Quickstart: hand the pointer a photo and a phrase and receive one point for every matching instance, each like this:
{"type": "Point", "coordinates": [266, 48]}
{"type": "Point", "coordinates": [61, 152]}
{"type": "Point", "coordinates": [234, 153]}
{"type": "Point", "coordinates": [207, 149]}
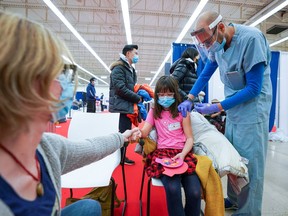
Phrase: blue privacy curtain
{"type": "Point", "coordinates": [177, 50]}
{"type": "Point", "coordinates": [274, 64]}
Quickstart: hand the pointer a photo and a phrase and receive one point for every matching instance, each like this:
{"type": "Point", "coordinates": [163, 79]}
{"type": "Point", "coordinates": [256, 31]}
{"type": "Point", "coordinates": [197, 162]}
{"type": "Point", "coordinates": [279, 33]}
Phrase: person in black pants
{"type": "Point", "coordinates": [101, 102]}
{"type": "Point", "coordinates": [121, 95]}
{"type": "Point", "coordinates": [91, 96]}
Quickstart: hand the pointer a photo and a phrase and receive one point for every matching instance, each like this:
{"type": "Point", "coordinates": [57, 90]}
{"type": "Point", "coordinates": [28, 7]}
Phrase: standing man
{"type": "Point", "coordinates": [122, 96]}
{"type": "Point", "coordinates": [91, 96]}
{"type": "Point", "coordinates": [243, 57]}
{"type": "Point", "coordinates": [101, 102]}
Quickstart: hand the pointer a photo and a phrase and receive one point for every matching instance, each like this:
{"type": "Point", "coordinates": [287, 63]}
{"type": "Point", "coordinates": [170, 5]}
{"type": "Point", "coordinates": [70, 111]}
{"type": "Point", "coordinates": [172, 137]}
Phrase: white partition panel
{"type": "Point", "coordinates": [282, 90]}
{"type": "Point", "coordinates": [216, 87]}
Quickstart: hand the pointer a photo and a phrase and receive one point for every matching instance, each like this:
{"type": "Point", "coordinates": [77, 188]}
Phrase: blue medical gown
{"type": "Point", "coordinates": [247, 124]}
{"type": "Point", "coordinates": [248, 47]}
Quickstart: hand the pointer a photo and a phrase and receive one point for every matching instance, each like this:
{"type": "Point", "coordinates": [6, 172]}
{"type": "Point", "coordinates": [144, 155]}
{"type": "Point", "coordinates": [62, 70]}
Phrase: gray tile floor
{"type": "Point", "coordinates": [275, 200]}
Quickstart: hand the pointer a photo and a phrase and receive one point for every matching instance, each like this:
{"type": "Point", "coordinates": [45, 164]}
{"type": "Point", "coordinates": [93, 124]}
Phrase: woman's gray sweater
{"type": "Point", "coordinates": [62, 155]}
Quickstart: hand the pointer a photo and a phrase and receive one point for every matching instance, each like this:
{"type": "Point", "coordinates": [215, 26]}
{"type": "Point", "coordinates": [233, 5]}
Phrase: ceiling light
{"type": "Point", "coordinates": [147, 78]}
{"type": "Point", "coordinates": [103, 77]}
{"type": "Point", "coordinates": [83, 79]}
{"type": "Point", "coordinates": [126, 18]}
{"type": "Point", "coordinates": [93, 75]}
{"type": "Point", "coordinates": [161, 66]}
{"type": "Point", "coordinates": [270, 13]}
{"type": "Point", "coordinates": [190, 22]}
{"type": "Point", "coordinates": [278, 42]}
{"type": "Point", "coordinates": [73, 30]}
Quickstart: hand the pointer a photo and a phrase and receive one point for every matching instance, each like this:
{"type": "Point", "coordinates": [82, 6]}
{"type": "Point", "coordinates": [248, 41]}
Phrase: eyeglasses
{"type": "Point", "coordinates": [165, 94]}
{"type": "Point", "coordinates": [69, 71]}
{"type": "Point", "coordinates": [208, 42]}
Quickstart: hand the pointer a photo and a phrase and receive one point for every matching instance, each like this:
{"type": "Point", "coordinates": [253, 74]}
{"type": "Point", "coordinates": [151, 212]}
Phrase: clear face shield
{"type": "Point", "coordinates": [203, 39]}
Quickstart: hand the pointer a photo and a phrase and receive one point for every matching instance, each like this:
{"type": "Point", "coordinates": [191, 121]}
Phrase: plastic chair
{"type": "Point", "coordinates": [98, 174]}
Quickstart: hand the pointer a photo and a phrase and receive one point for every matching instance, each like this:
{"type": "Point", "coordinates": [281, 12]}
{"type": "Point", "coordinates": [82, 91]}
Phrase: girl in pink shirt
{"type": "Point", "coordinates": [175, 140]}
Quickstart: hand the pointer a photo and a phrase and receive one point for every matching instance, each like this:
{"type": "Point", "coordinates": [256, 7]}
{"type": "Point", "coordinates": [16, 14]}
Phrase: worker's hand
{"type": "Point", "coordinates": [144, 94]}
{"type": "Point", "coordinates": [132, 135]}
{"type": "Point", "coordinates": [185, 106]}
{"type": "Point", "coordinates": [206, 108]}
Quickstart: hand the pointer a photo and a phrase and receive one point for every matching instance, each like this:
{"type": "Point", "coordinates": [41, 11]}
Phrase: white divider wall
{"type": "Point", "coordinates": [282, 104]}
{"type": "Point", "coordinates": [216, 87]}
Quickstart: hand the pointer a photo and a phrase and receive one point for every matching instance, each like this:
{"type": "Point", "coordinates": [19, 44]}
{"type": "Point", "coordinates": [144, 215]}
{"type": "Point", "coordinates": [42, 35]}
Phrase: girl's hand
{"type": "Point", "coordinates": [132, 135]}
{"type": "Point", "coordinates": [180, 155]}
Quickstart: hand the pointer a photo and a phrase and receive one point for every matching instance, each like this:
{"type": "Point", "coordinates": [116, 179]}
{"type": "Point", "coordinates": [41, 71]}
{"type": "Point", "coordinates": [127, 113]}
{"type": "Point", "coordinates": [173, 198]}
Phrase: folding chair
{"type": "Point", "coordinates": [98, 174]}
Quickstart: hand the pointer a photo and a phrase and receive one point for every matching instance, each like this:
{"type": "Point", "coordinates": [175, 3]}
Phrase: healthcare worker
{"type": "Point", "coordinates": [243, 57]}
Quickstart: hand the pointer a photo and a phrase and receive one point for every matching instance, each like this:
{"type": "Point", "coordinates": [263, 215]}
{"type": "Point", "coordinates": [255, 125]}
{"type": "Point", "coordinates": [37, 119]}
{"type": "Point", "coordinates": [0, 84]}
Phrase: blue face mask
{"type": "Point", "coordinates": [216, 46]}
{"type": "Point", "coordinates": [166, 101]}
{"type": "Point", "coordinates": [135, 59]}
{"type": "Point", "coordinates": [66, 97]}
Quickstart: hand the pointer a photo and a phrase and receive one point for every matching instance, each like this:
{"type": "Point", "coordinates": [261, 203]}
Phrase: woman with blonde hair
{"type": "Point", "coordinates": [37, 87]}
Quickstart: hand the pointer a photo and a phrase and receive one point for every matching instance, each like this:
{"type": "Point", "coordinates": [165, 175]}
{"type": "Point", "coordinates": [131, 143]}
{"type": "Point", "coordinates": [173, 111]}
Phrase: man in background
{"type": "Point", "coordinates": [91, 96]}
{"type": "Point", "coordinates": [122, 96]}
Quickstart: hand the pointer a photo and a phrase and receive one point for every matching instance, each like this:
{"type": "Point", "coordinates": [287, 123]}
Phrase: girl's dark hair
{"type": "Point", "coordinates": [190, 53]}
{"type": "Point", "coordinates": [166, 84]}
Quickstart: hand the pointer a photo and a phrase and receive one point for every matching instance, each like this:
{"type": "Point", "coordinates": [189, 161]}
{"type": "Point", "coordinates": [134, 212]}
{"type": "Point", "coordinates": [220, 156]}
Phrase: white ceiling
{"type": "Point", "coordinates": [155, 24]}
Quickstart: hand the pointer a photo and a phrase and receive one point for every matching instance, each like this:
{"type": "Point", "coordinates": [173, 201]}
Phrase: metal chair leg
{"type": "Point", "coordinates": [124, 178]}
{"type": "Point", "coordinates": [141, 190]}
{"type": "Point", "coordinates": [113, 195]}
{"type": "Point", "coordinates": [148, 197]}
{"type": "Point", "coordinates": [71, 192]}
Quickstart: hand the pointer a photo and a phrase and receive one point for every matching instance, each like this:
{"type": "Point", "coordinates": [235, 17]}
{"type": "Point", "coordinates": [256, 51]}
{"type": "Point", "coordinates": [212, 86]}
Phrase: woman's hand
{"type": "Point", "coordinates": [132, 135]}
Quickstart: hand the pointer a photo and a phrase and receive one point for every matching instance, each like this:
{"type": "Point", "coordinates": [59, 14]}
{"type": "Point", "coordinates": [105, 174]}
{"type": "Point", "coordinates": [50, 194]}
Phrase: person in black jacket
{"type": "Point", "coordinates": [121, 95]}
{"type": "Point", "coordinates": [91, 96]}
{"type": "Point", "coordinates": [184, 70]}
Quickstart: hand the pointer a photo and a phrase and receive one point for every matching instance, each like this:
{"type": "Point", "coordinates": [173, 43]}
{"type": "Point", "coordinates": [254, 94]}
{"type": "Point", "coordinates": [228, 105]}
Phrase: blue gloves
{"type": "Point", "coordinates": [144, 94]}
{"type": "Point", "coordinates": [142, 111]}
{"type": "Point", "coordinates": [185, 106]}
{"type": "Point", "coordinates": [206, 108]}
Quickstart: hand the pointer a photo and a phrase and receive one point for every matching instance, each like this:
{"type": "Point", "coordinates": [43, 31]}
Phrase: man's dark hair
{"type": "Point", "coordinates": [190, 53]}
{"type": "Point", "coordinates": [128, 48]}
{"type": "Point", "coordinates": [92, 79]}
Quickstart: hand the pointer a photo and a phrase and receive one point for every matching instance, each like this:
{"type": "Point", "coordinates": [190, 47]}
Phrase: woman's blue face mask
{"type": "Point", "coordinates": [166, 101]}
{"type": "Point", "coordinates": [65, 79]}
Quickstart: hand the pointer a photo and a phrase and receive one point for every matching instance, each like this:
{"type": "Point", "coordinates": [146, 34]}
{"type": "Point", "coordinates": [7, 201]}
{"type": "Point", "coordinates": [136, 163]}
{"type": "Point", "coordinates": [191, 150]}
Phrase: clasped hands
{"type": "Point", "coordinates": [132, 135]}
